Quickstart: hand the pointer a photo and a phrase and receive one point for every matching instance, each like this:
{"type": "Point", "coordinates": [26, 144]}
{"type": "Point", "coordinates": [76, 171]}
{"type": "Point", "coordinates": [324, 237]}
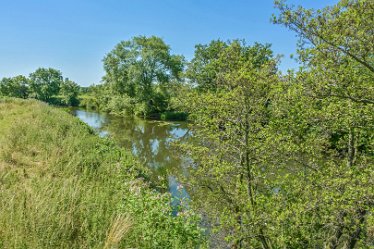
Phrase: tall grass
{"type": "Point", "coordinates": [120, 226]}
{"type": "Point", "coordinates": [59, 184]}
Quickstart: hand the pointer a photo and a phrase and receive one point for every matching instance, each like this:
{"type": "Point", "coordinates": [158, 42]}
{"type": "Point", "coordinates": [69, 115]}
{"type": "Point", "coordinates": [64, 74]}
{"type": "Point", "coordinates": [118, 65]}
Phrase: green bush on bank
{"type": "Point", "coordinates": [61, 186]}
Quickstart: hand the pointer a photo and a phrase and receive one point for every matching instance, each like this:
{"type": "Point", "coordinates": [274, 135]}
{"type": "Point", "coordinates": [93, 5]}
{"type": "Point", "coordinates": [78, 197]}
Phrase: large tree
{"type": "Point", "coordinates": [211, 61]}
{"type": "Point", "coordinates": [202, 70]}
{"type": "Point", "coordinates": [45, 83]}
{"type": "Point", "coordinates": [136, 68]}
{"type": "Point", "coordinates": [229, 123]}
{"type": "Point", "coordinates": [324, 125]}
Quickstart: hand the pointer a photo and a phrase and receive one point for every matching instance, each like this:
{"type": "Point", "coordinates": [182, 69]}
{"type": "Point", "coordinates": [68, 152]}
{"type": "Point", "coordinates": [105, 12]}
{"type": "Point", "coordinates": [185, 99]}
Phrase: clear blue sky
{"type": "Point", "coordinates": [74, 35]}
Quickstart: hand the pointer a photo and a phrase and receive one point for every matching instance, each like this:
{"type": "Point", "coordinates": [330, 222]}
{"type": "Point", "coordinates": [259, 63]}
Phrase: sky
{"type": "Point", "coordinates": [73, 36]}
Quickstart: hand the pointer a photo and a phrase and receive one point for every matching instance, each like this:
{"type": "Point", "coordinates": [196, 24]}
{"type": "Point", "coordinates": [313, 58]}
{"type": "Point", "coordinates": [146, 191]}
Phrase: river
{"type": "Point", "coordinates": [150, 142]}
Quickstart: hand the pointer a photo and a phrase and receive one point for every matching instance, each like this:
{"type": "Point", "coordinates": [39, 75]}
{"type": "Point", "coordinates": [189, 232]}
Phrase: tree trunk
{"type": "Point", "coordinates": [351, 147]}
{"type": "Point", "coordinates": [355, 236]}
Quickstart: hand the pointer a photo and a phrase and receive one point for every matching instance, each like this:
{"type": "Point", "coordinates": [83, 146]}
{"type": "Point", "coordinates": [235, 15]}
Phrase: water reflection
{"type": "Point", "coordinates": [94, 120]}
{"type": "Point", "coordinates": [150, 142]}
{"type": "Point", "coordinates": [179, 193]}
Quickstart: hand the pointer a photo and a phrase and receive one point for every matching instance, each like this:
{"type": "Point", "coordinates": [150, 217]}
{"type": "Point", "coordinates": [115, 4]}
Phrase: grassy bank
{"type": "Point", "coordinates": [61, 186]}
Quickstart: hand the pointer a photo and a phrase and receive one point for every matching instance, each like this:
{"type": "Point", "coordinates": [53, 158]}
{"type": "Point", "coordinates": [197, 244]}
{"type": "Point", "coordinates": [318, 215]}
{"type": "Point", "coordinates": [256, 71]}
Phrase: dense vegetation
{"type": "Point", "coordinates": [61, 186]}
{"type": "Point", "coordinates": [279, 160]}
{"type": "Point", "coordinates": [45, 84]}
{"type": "Point", "coordinates": [287, 160]}
{"type": "Point", "coordinates": [142, 78]}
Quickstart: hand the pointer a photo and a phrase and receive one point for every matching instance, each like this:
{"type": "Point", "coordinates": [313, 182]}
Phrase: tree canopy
{"type": "Point", "coordinates": [140, 68]}
{"type": "Point", "coordinates": [213, 60]}
{"type": "Point", "coordinates": [45, 82]}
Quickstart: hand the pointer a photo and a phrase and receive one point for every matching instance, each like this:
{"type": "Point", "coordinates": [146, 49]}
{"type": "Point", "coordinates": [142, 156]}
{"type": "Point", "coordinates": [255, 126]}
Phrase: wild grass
{"type": "Point", "coordinates": [120, 226]}
{"type": "Point", "coordinates": [60, 185]}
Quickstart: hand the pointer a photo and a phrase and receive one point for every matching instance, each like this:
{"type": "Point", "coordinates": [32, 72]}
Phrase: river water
{"type": "Point", "coordinates": [150, 142]}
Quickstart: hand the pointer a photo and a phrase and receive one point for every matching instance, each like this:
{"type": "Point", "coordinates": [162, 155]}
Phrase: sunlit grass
{"type": "Point", "coordinates": [60, 185]}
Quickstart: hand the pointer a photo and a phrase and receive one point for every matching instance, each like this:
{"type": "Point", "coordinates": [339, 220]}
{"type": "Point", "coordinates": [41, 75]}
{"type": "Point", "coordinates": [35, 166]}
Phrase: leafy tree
{"type": "Point", "coordinates": [69, 91]}
{"type": "Point", "coordinates": [138, 67]}
{"type": "Point", "coordinates": [202, 70]}
{"type": "Point", "coordinates": [336, 51]}
{"type": "Point", "coordinates": [45, 83]}
{"type": "Point", "coordinates": [208, 64]}
{"type": "Point", "coordinates": [288, 162]}
{"type": "Point", "coordinates": [14, 87]}
{"type": "Point", "coordinates": [323, 119]}
{"type": "Point", "coordinates": [229, 124]}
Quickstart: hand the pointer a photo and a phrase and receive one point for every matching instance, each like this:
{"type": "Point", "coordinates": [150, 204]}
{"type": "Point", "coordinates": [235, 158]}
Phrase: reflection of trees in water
{"type": "Point", "coordinates": [150, 141]}
{"type": "Point", "coordinates": [93, 119]}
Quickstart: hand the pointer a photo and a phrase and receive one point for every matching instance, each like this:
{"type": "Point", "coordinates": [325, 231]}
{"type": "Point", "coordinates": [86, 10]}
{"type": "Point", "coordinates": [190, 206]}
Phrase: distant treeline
{"type": "Point", "coordinates": [45, 84]}
{"type": "Point", "coordinates": [142, 78]}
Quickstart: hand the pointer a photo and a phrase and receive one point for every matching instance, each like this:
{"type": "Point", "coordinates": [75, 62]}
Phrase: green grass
{"type": "Point", "coordinates": [61, 186]}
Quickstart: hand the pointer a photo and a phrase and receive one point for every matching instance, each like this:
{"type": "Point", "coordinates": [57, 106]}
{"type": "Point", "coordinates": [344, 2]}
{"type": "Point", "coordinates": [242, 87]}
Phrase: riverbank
{"type": "Point", "coordinates": [62, 186]}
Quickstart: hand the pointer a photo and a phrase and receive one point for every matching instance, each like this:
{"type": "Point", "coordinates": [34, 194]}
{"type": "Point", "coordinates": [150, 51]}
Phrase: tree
{"type": "Point", "coordinates": [15, 87]}
{"type": "Point", "coordinates": [69, 92]}
{"type": "Point", "coordinates": [334, 50]}
{"type": "Point", "coordinates": [45, 83]}
{"type": "Point", "coordinates": [208, 64]}
{"type": "Point", "coordinates": [229, 123]}
{"type": "Point", "coordinates": [287, 161]}
{"type": "Point", "coordinates": [137, 67]}
{"type": "Point", "coordinates": [202, 70]}
{"type": "Point", "coordinates": [323, 118]}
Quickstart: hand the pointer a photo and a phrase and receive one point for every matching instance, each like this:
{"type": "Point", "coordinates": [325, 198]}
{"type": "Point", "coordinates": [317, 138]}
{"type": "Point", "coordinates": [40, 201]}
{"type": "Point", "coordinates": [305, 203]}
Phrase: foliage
{"type": "Point", "coordinates": [287, 161]}
{"type": "Point", "coordinates": [208, 65]}
{"type": "Point", "coordinates": [69, 92]}
{"type": "Point", "coordinates": [202, 70]}
{"type": "Point", "coordinates": [328, 115]}
{"type": "Point", "coordinates": [138, 69]}
{"type": "Point", "coordinates": [45, 82]}
{"type": "Point", "coordinates": [14, 87]}
{"type": "Point", "coordinates": [339, 54]}
{"type": "Point", "coordinates": [159, 229]}
{"type": "Point", "coordinates": [229, 124]}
